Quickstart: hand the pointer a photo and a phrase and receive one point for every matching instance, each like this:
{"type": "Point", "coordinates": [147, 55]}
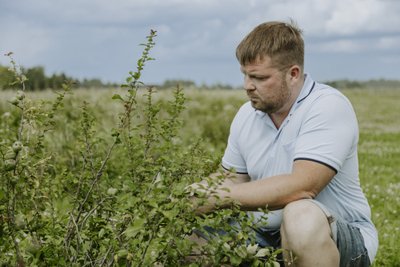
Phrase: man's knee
{"type": "Point", "coordinates": [303, 219]}
{"type": "Point", "coordinates": [306, 234]}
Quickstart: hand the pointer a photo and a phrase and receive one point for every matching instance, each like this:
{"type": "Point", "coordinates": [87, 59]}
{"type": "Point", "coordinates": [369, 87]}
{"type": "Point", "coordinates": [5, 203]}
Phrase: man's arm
{"type": "Point", "coordinates": [307, 179]}
{"type": "Point", "coordinates": [231, 177]}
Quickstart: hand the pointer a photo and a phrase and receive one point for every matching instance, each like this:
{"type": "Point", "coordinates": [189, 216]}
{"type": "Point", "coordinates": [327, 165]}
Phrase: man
{"type": "Point", "coordinates": [293, 148]}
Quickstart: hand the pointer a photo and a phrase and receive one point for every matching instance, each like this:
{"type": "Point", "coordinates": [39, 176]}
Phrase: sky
{"type": "Point", "coordinates": [196, 39]}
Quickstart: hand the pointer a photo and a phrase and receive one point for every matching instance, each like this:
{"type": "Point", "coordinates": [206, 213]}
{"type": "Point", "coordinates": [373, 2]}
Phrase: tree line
{"type": "Point", "coordinates": [38, 80]}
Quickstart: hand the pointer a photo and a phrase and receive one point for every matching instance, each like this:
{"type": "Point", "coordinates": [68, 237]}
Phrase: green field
{"type": "Point", "coordinates": [205, 120]}
{"type": "Point", "coordinates": [379, 155]}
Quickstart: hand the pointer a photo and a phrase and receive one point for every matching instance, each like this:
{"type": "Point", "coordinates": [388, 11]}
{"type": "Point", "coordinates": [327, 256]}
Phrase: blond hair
{"type": "Point", "coordinates": [282, 42]}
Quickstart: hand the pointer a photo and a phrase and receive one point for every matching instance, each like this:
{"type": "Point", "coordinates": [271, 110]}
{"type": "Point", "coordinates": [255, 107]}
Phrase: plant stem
{"type": "Point", "coordinates": [11, 224]}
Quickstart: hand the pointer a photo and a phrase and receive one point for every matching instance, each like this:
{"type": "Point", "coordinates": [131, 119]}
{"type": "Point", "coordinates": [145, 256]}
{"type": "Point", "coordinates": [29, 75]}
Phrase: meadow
{"type": "Point", "coordinates": [85, 123]}
{"type": "Point", "coordinates": [379, 156]}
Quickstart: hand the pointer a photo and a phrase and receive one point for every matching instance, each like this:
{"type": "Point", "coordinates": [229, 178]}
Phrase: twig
{"type": "Point", "coordinates": [11, 225]}
{"type": "Point", "coordinates": [105, 256]}
{"type": "Point", "coordinates": [92, 210]}
{"type": "Point", "coordinates": [94, 182]}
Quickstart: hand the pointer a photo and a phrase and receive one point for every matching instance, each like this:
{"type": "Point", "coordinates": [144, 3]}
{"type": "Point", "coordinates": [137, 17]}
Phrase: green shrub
{"type": "Point", "coordinates": [75, 191]}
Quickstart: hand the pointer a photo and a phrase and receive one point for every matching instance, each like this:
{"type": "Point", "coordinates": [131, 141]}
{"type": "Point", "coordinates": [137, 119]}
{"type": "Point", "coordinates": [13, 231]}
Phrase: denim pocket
{"type": "Point", "coordinates": [351, 247]}
{"type": "Point", "coordinates": [360, 261]}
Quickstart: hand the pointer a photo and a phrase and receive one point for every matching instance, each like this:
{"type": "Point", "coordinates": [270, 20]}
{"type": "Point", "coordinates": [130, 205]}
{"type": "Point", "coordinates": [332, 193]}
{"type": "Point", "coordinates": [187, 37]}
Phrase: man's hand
{"type": "Point", "coordinates": [206, 198]}
{"type": "Point", "coordinates": [214, 192]}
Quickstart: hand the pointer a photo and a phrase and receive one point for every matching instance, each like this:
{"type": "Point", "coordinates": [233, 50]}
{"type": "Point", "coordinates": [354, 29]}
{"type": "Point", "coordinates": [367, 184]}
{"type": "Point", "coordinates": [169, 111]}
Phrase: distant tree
{"type": "Point", "coordinates": [91, 83]}
{"type": "Point", "coordinates": [174, 83]}
{"type": "Point", "coordinates": [36, 78]}
{"type": "Point", "coordinates": [221, 86]}
{"type": "Point", "coordinates": [346, 84]}
{"type": "Point", "coordinates": [55, 81]}
{"type": "Point", "coordinates": [6, 78]}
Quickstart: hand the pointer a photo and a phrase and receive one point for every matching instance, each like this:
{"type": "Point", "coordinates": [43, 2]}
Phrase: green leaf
{"type": "Point", "coordinates": [251, 249]}
{"type": "Point", "coordinates": [262, 253]}
{"type": "Point", "coordinates": [101, 233]}
{"type": "Point", "coordinates": [136, 75]}
{"type": "Point", "coordinates": [117, 96]}
{"type": "Point", "coordinates": [129, 79]}
{"type": "Point", "coordinates": [241, 252]}
{"type": "Point", "coordinates": [170, 214]}
{"type": "Point", "coordinates": [135, 227]}
{"type": "Point", "coordinates": [122, 253]}
{"type": "Point", "coordinates": [111, 191]}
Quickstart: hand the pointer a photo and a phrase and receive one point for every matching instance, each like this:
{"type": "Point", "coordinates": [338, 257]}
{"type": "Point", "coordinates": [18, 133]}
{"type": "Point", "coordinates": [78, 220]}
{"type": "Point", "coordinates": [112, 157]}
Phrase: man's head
{"type": "Point", "coordinates": [280, 41]}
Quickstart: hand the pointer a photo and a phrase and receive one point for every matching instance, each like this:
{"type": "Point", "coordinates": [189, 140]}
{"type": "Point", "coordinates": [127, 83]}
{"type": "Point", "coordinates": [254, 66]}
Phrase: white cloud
{"type": "Point", "coordinates": [343, 17]}
{"type": "Point", "coordinates": [80, 35]}
{"type": "Point", "coordinates": [27, 42]}
{"type": "Point", "coordinates": [388, 42]}
{"type": "Point", "coordinates": [390, 60]}
{"type": "Point", "coordinates": [349, 17]}
{"type": "Point", "coordinates": [358, 45]}
{"type": "Point", "coordinates": [341, 45]}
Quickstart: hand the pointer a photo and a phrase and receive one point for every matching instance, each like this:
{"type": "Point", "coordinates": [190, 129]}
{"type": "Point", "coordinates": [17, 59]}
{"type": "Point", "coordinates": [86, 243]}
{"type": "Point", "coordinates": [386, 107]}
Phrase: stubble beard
{"type": "Point", "coordinates": [277, 104]}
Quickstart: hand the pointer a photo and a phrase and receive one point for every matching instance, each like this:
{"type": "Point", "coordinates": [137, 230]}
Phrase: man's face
{"type": "Point", "coordinates": [266, 86]}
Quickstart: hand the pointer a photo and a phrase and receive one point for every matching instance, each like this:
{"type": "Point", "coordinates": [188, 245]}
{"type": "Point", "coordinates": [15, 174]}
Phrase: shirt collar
{"type": "Point", "coordinates": [308, 87]}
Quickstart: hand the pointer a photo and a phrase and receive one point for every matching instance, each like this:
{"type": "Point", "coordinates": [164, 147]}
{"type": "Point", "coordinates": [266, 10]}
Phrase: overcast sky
{"type": "Point", "coordinates": [345, 39]}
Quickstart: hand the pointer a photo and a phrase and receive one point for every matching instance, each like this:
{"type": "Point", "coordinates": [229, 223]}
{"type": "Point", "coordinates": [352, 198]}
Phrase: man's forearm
{"type": "Point", "coordinates": [307, 179]}
{"type": "Point", "coordinates": [273, 192]}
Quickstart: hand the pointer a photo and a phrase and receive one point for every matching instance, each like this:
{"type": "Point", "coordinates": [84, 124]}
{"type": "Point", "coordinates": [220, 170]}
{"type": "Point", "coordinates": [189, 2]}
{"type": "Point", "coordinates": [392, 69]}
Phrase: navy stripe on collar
{"type": "Point", "coordinates": [312, 87]}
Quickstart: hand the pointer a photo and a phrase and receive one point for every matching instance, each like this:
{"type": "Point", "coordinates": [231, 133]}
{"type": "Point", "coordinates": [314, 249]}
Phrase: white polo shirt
{"type": "Point", "coordinates": [322, 127]}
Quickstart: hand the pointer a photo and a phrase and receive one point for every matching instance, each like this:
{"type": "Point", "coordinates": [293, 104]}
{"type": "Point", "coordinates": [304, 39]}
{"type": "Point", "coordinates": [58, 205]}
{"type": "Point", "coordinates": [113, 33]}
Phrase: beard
{"type": "Point", "coordinates": [272, 104]}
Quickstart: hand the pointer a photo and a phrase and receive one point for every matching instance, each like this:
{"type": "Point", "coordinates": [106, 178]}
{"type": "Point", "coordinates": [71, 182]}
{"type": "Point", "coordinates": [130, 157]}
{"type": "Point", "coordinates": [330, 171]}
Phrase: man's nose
{"type": "Point", "coordinates": [248, 84]}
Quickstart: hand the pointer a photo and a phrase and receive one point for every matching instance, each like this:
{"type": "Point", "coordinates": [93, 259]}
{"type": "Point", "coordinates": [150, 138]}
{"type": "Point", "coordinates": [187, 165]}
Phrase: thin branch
{"type": "Point", "coordinates": [105, 256]}
{"type": "Point", "coordinates": [93, 210]}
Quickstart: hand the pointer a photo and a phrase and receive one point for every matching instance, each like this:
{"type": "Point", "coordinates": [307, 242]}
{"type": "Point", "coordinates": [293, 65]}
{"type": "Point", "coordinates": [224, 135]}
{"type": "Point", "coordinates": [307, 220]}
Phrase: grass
{"type": "Point", "coordinates": [208, 116]}
{"type": "Point", "coordinates": [379, 154]}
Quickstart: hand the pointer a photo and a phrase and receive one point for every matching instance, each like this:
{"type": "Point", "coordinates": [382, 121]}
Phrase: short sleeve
{"type": "Point", "coordinates": [329, 133]}
{"type": "Point", "coordinates": [233, 158]}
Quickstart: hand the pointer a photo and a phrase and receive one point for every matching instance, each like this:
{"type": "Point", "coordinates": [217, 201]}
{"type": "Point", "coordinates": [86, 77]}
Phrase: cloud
{"type": "Point", "coordinates": [389, 43]}
{"type": "Point", "coordinates": [24, 40]}
{"type": "Point", "coordinates": [392, 60]}
{"type": "Point", "coordinates": [341, 45]}
{"type": "Point", "coordinates": [364, 44]}
{"type": "Point", "coordinates": [363, 16]}
{"type": "Point", "coordinates": [99, 38]}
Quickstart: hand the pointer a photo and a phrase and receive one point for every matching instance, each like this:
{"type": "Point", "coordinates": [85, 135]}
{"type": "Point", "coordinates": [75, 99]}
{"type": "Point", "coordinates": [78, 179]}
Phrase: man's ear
{"type": "Point", "coordinates": [295, 72]}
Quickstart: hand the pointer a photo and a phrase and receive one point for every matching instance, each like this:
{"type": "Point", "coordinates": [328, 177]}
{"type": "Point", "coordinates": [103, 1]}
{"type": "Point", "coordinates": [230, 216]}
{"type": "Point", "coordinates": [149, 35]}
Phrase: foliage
{"type": "Point", "coordinates": [77, 192]}
{"type": "Point", "coordinates": [168, 84]}
{"type": "Point", "coordinates": [174, 83]}
{"type": "Point", "coordinates": [6, 77]}
{"type": "Point", "coordinates": [370, 84]}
